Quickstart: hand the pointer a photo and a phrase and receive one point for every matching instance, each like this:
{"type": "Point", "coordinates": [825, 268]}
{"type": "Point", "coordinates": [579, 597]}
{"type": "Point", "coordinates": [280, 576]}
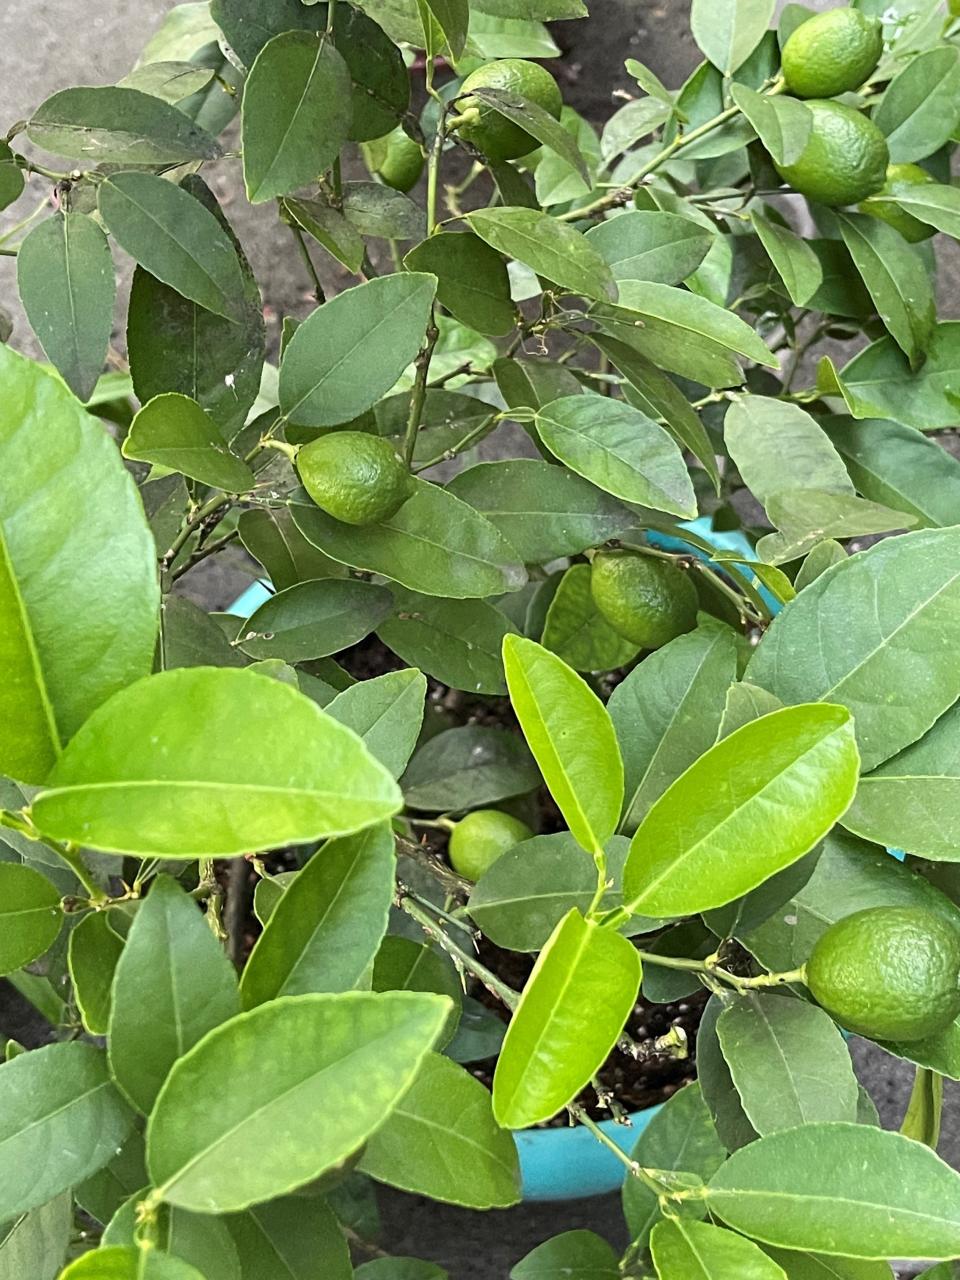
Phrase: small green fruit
{"type": "Point", "coordinates": [832, 53]}
{"type": "Point", "coordinates": [845, 158]}
{"type": "Point", "coordinates": [396, 159]}
{"type": "Point", "coordinates": [481, 838]}
{"type": "Point", "coordinates": [902, 180]}
{"type": "Point", "coordinates": [354, 477]}
{"type": "Point", "coordinates": [649, 601]}
{"type": "Point", "coordinates": [492, 134]}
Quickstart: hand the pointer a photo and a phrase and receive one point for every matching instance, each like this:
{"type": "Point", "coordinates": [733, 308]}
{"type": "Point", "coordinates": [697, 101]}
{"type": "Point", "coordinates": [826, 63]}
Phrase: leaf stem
{"type": "Point", "coordinates": [69, 852]}
{"type": "Point", "coordinates": [318, 290]}
{"type": "Point", "coordinates": [580, 1115]}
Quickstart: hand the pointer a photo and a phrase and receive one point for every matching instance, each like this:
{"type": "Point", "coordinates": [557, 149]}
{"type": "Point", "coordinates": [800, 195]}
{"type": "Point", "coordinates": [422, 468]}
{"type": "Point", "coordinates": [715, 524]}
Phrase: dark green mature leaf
{"type": "Point", "coordinates": [896, 279]}
{"type": "Point", "coordinates": [296, 114]}
{"type": "Point", "coordinates": [472, 280]}
{"type": "Point", "coordinates": [572, 1011]}
{"type": "Point", "coordinates": [376, 210]}
{"type": "Point", "coordinates": [435, 544]}
{"type": "Point", "coordinates": [308, 1050]}
{"type": "Point", "coordinates": [192, 788]}
{"type": "Point", "coordinates": [667, 713]}
{"type": "Point", "coordinates": [788, 1061]}
{"type": "Point", "coordinates": [291, 1238]}
{"type": "Point", "coordinates": [78, 584]}
{"type": "Point", "coordinates": [326, 377]}
{"type": "Point", "coordinates": [783, 123]}
{"type": "Point", "coordinates": [574, 1254]}
{"type": "Point", "coordinates": [94, 952]}
{"type": "Point", "coordinates": [844, 1189]}
{"type": "Point", "coordinates": [458, 642]}
{"type": "Point", "coordinates": [159, 1011]}
{"type": "Point", "coordinates": [577, 631]}
{"type": "Point", "coordinates": [796, 263]}
{"type": "Point", "coordinates": [399, 1268]}
{"type": "Point", "coordinates": [540, 124]}
{"type": "Point", "coordinates": [779, 447]}
{"type": "Point", "coordinates": [468, 767]}
{"type": "Point", "coordinates": [898, 466]}
{"type": "Point", "coordinates": [620, 450]}
{"type": "Point", "coordinates": [728, 31]}
{"type": "Point", "coordinates": [327, 926]}
{"type": "Point", "coordinates": [886, 619]}
{"type": "Point", "coordinates": [386, 712]}
{"type": "Point", "coordinates": [551, 248]}
{"type": "Point", "coordinates": [442, 1141]}
{"type": "Point", "coordinates": [330, 228]}
{"type": "Point", "coordinates": [103, 1194]}
{"type": "Point", "coordinates": [919, 111]}
{"type": "Point", "coordinates": [752, 805]}
{"type": "Point", "coordinates": [36, 1244]}
{"type": "Point", "coordinates": [271, 537]}
{"type": "Point", "coordinates": [381, 82]}
{"type": "Point", "coordinates": [61, 1118]}
{"type": "Point", "coordinates": [543, 511]}
{"type": "Point", "coordinates": [572, 738]}
{"type": "Point", "coordinates": [716, 1084]}
{"type": "Point", "coordinates": [30, 915]}
{"type": "Point", "coordinates": [176, 238]}
{"type": "Point", "coordinates": [67, 286]}
{"type": "Point", "coordinates": [878, 383]}
{"type": "Point", "coordinates": [681, 1138]}
{"type": "Point", "coordinates": [248, 25]}
{"type": "Point", "coordinates": [175, 432]}
{"type": "Point", "coordinates": [703, 1251]}
{"type": "Point", "coordinates": [191, 637]}
{"type": "Point", "coordinates": [107, 125]}
{"type": "Point", "coordinates": [11, 177]}
{"type": "Point", "coordinates": [314, 619]}
{"type": "Point", "coordinates": [446, 23]}
{"type": "Point", "coordinates": [530, 383]}
{"type": "Point", "coordinates": [650, 245]}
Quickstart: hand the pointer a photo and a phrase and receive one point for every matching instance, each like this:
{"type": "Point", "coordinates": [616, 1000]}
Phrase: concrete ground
{"type": "Point", "coordinates": [46, 45]}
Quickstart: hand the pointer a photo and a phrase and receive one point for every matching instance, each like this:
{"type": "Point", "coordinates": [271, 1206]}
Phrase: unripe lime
{"type": "Point", "coordinates": [354, 477]}
{"type": "Point", "coordinates": [649, 601]}
{"type": "Point", "coordinates": [901, 180]}
{"type": "Point", "coordinates": [491, 133]}
{"type": "Point", "coordinates": [401, 161]}
{"type": "Point", "coordinates": [832, 53]}
{"type": "Point", "coordinates": [891, 973]}
{"type": "Point", "coordinates": [481, 838]}
{"type": "Point", "coordinates": [845, 159]}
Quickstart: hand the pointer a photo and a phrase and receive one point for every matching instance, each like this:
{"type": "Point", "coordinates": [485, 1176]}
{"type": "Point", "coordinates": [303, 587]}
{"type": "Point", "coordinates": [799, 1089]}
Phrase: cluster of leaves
{"type": "Point", "coordinates": [640, 303]}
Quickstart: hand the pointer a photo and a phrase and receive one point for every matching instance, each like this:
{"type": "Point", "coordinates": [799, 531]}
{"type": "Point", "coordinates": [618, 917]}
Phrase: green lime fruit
{"type": "Point", "coordinates": [901, 181]}
{"type": "Point", "coordinates": [492, 134]}
{"type": "Point", "coordinates": [832, 53]}
{"type": "Point", "coordinates": [354, 477]}
{"type": "Point", "coordinates": [400, 161]}
{"type": "Point", "coordinates": [481, 838]}
{"type": "Point", "coordinates": [649, 601]}
{"type": "Point", "coordinates": [891, 973]}
{"type": "Point", "coordinates": [845, 159]}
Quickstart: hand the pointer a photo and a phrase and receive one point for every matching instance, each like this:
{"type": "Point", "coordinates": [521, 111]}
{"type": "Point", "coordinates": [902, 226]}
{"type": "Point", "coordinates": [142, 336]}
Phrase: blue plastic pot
{"type": "Point", "coordinates": [569, 1163]}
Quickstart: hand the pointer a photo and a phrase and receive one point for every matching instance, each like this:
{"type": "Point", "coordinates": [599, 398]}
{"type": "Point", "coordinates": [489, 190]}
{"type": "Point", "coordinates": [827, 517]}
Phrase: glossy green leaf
{"type": "Point", "coordinates": [435, 544]}
{"type": "Point", "coordinates": [538, 123]}
{"type": "Point", "coordinates": [102, 1194]}
{"type": "Point", "coordinates": [308, 1050]}
{"type": "Point", "coordinates": [782, 123]}
{"type": "Point", "coordinates": [896, 278]}
{"type": "Point", "coordinates": [458, 642]}
{"type": "Point", "coordinates": [327, 926]}
{"type": "Point", "coordinates": [67, 286]}
{"type": "Point", "coordinates": [572, 738]}
{"type": "Point", "coordinates": [248, 26]}
{"type": "Point", "coordinates": [30, 915]}
{"type": "Point", "coordinates": [293, 1238]}
{"type": "Point", "coordinates": [572, 1254]}
{"type": "Point", "coordinates": [35, 1245]}
{"type": "Point", "coordinates": [314, 619]}
{"type": "Point", "coordinates": [573, 1009]}
{"type": "Point", "coordinates": [701, 1251]}
{"type": "Point", "coordinates": [404, 965]}
{"type": "Point", "coordinates": [174, 237]}
{"type": "Point", "coordinates": [680, 1138]}
{"type": "Point", "coordinates": [107, 125]}
{"type": "Point", "coordinates": [844, 1189]}
{"type": "Point", "coordinates": [650, 245]}
{"type": "Point", "coordinates": [11, 177]}
{"type": "Point", "coordinates": [883, 620]}
{"type": "Point", "coordinates": [919, 111]}
{"type": "Point", "coordinates": [804, 517]}
{"type": "Point", "coordinates": [752, 805]}
{"type": "Point", "coordinates": [543, 511]}
{"type": "Point", "coordinates": [878, 382]}
{"type": "Point", "coordinates": [795, 262]}
{"type": "Point", "coordinates": [472, 280]}
{"type": "Point", "coordinates": [95, 950]}
{"type": "Point", "coordinates": [386, 712]}
{"type": "Point", "coordinates": [667, 713]}
{"type": "Point", "coordinates": [271, 537]}
{"type": "Point", "coordinates": [779, 446]}
{"type": "Point", "coordinates": [467, 767]}
{"type": "Point", "coordinates": [931, 202]}
{"type": "Point", "coordinates": [61, 1118]}
{"type": "Point", "coordinates": [578, 633]}
{"type": "Point", "coordinates": [717, 1087]}
{"type": "Point", "coordinates": [197, 1239]}
{"type": "Point", "coordinates": [551, 248]}
{"type": "Point", "coordinates": [119, 1263]}
{"type": "Point", "coordinates": [296, 114]}
{"type": "Point", "coordinates": [442, 1141]}
{"type": "Point", "coordinates": [174, 431]}
{"type": "Point", "coordinates": [728, 31]}
{"type": "Point", "coordinates": [326, 377]}
{"type": "Point", "coordinates": [789, 1063]}
{"type": "Point", "coordinates": [193, 788]}
{"type": "Point", "coordinates": [77, 569]}
{"type": "Point", "coordinates": [620, 450]}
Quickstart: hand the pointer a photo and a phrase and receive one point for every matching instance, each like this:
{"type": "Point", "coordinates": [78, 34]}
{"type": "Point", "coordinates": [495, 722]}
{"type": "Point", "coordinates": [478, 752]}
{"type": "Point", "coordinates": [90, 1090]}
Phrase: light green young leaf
{"type": "Point", "coordinates": [119, 1263]}
{"type": "Point", "coordinates": [650, 245]}
{"type": "Point", "coordinates": [193, 788]}
{"type": "Point", "coordinates": [553, 249]}
{"type": "Point", "coordinates": [172, 81]}
{"type": "Point", "coordinates": [30, 915]}
{"type": "Point", "coordinates": [386, 712]}
{"type": "Point", "coordinates": [701, 1251]}
{"type": "Point", "coordinates": [919, 111]}
{"type": "Point", "coordinates": [198, 1239]}
{"type": "Point", "coordinates": [752, 805]}
{"type": "Point", "coordinates": [573, 1008]}
{"type": "Point", "coordinates": [308, 1051]}
{"type": "Point", "coordinates": [458, 642]}
{"type": "Point", "coordinates": [314, 619]}
{"type": "Point", "coordinates": [817, 1266]}
{"type": "Point", "coordinates": [174, 431]}
{"type": "Point", "coordinates": [95, 950]}
{"type": "Point", "coordinates": [572, 738]}
{"type": "Point", "coordinates": [325, 931]}
{"type": "Point", "coordinates": [728, 31]}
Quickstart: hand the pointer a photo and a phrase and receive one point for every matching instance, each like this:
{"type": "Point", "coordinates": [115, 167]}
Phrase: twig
{"type": "Point", "coordinates": [432, 929]}
{"type": "Point", "coordinates": [419, 394]}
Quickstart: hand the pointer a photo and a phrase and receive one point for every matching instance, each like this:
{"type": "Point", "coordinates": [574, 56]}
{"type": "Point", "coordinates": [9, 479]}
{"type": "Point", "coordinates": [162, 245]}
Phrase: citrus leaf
{"type": "Point", "coordinates": [472, 280]}
{"type": "Point", "coordinates": [386, 712]}
{"type": "Point", "coordinates": [650, 245]}
{"type": "Point", "coordinates": [468, 766]}
{"type": "Point", "coordinates": [458, 642]}
{"type": "Point", "coordinates": [769, 440]}
{"type": "Point", "coordinates": [573, 1253]}
{"type": "Point", "coordinates": [288, 1125]}
{"type": "Point", "coordinates": [540, 124]}
{"type": "Point", "coordinates": [292, 1238]}
{"type": "Point", "coordinates": [118, 1263]}
{"type": "Point", "coordinates": [192, 788]}
{"type": "Point", "coordinates": [878, 382]}
{"type": "Point", "coordinates": [314, 619]}
{"type": "Point", "coordinates": [795, 262]}
{"type": "Point", "coordinates": [551, 248]}
{"type": "Point", "coordinates": [931, 202]}
{"type": "Point", "coordinates": [577, 631]}
{"type": "Point", "coordinates": [728, 31]}
{"type": "Point", "coordinates": [36, 1244]}
{"type": "Point", "coordinates": [174, 431]}
{"type": "Point", "coordinates": [93, 955]}
{"type": "Point", "coordinates": [919, 111]}
{"type": "Point", "coordinates": [705, 1252]}
{"type": "Point", "coordinates": [752, 805]}
{"type": "Point", "coordinates": [782, 123]}
{"type": "Point", "coordinates": [30, 915]}
{"type": "Point", "coordinates": [805, 517]}
{"type": "Point", "coordinates": [12, 180]}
